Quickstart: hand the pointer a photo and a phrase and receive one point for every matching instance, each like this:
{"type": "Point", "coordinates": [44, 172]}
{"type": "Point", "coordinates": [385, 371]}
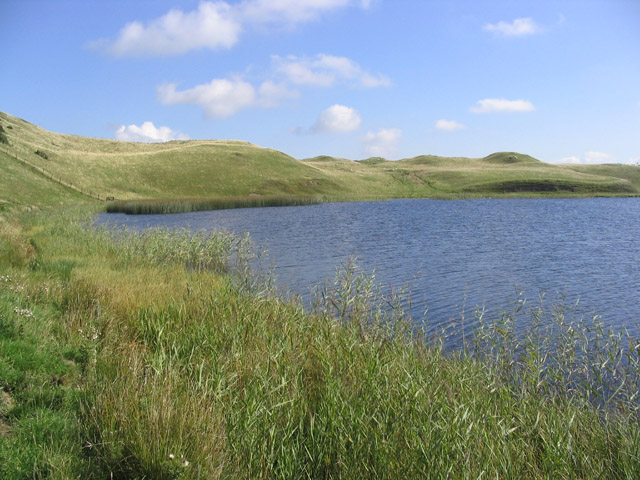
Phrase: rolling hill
{"type": "Point", "coordinates": [39, 167]}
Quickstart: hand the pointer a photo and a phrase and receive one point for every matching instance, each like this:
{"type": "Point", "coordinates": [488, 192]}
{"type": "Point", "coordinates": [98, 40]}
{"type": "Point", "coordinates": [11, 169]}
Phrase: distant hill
{"type": "Point", "coordinates": [38, 167]}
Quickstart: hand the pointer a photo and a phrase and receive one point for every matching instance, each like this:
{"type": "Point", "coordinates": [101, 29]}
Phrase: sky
{"type": "Point", "coordinates": [558, 80]}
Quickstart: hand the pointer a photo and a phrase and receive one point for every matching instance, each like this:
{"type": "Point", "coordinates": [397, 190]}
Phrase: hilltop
{"type": "Point", "coordinates": [44, 168]}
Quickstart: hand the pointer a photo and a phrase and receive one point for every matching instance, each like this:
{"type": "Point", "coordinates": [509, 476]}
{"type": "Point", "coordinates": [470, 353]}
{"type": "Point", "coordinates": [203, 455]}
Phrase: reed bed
{"type": "Point", "coordinates": [146, 207]}
{"type": "Point", "coordinates": [192, 373]}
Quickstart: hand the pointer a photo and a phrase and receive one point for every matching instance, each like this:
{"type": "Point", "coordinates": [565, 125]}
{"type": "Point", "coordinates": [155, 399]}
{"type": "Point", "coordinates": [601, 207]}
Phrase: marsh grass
{"type": "Point", "coordinates": [188, 373]}
{"type": "Point", "coordinates": [145, 207]}
{"type": "Point", "coordinates": [557, 351]}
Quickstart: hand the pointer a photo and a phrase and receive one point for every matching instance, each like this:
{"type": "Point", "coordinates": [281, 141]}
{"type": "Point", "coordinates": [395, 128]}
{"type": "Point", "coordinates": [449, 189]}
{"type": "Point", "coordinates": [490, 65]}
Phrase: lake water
{"type": "Point", "coordinates": [452, 255]}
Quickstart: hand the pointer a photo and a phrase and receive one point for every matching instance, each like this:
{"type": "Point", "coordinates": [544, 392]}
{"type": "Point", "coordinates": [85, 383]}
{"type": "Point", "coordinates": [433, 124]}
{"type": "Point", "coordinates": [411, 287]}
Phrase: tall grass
{"type": "Point", "coordinates": [144, 207]}
{"type": "Point", "coordinates": [187, 373]}
{"type": "Point", "coordinates": [556, 352]}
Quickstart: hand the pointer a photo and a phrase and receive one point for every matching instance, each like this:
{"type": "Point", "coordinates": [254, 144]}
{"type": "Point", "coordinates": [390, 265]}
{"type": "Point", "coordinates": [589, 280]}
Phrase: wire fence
{"type": "Point", "coordinates": [56, 178]}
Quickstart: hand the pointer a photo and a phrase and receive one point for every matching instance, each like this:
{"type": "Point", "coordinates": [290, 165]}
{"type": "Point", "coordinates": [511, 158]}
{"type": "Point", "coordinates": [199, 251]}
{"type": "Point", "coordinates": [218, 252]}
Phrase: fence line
{"type": "Point", "coordinates": [51, 176]}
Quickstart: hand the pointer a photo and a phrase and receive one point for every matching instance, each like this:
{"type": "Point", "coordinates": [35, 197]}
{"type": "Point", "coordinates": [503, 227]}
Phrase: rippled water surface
{"type": "Point", "coordinates": [452, 255]}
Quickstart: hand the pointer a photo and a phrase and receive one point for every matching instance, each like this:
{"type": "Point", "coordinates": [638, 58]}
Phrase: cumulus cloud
{"type": "Point", "coordinates": [337, 119]}
{"type": "Point", "coordinates": [590, 158]}
{"type": "Point", "coordinates": [271, 94]}
{"type": "Point", "coordinates": [382, 143]}
{"type": "Point", "coordinates": [147, 133]}
{"type": "Point", "coordinates": [501, 105]}
{"type": "Point", "coordinates": [325, 70]}
{"type": "Point", "coordinates": [213, 25]}
{"type": "Point", "coordinates": [518, 28]}
{"type": "Point", "coordinates": [224, 97]}
{"type": "Point", "coordinates": [219, 98]}
{"type": "Point", "coordinates": [448, 125]}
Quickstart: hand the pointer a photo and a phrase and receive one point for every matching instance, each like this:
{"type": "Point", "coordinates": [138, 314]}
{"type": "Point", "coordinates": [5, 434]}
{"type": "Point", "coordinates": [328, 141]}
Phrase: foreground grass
{"type": "Point", "coordinates": [141, 357]}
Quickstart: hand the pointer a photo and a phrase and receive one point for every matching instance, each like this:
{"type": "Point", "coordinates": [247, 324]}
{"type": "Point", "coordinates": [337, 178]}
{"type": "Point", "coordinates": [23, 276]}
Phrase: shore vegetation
{"type": "Point", "coordinates": [159, 355]}
{"type": "Point", "coordinates": [164, 354]}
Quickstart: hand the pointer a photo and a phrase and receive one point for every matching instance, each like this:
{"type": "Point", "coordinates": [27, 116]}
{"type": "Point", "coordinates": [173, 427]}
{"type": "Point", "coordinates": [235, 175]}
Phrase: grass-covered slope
{"type": "Point", "coordinates": [42, 167]}
{"type": "Point", "coordinates": [499, 174]}
{"type": "Point", "coordinates": [24, 187]}
{"type": "Point", "coordinates": [178, 169]}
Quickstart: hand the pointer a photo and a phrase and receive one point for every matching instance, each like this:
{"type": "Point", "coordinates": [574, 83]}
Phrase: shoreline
{"type": "Point", "coordinates": [123, 357]}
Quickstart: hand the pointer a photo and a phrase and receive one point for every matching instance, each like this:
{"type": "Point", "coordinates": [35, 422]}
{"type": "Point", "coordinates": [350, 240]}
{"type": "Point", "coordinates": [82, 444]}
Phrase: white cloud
{"type": "Point", "coordinates": [220, 98]}
{"type": "Point", "coordinates": [270, 94]}
{"type": "Point", "coordinates": [519, 27]}
{"type": "Point", "coordinates": [382, 143]}
{"type": "Point", "coordinates": [337, 118]}
{"type": "Point", "coordinates": [325, 70]}
{"type": "Point", "coordinates": [448, 125]}
{"type": "Point", "coordinates": [148, 133]}
{"type": "Point", "coordinates": [589, 158]}
{"type": "Point", "coordinates": [213, 25]}
{"type": "Point", "coordinates": [301, 73]}
{"type": "Point", "coordinates": [224, 97]}
{"type": "Point", "coordinates": [501, 105]}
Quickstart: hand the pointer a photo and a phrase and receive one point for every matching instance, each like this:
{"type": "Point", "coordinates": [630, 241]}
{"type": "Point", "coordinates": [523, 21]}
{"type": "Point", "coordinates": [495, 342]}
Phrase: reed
{"type": "Point", "coordinates": [183, 372]}
{"type": "Point", "coordinates": [146, 207]}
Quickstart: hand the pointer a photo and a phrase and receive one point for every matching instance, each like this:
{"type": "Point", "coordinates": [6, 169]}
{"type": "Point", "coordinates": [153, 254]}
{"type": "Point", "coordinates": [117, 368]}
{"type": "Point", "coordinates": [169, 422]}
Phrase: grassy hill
{"type": "Point", "coordinates": [44, 168]}
{"type": "Point", "coordinates": [169, 170]}
{"type": "Point", "coordinates": [159, 355]}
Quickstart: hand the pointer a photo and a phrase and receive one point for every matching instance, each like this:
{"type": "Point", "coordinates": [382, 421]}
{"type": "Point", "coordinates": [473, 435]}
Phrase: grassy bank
{"type": "Point", "coordinates": [142, 357]}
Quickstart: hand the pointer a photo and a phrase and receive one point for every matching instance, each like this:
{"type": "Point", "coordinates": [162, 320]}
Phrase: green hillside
{"type": "Point", "coordinates": [24, 187]}
{"type": "Point", "coordinates": [169, 170]}
{"type": "Point", "coordinates": [44, 168]}
{"type": "Point", "coordinates": [162, 355]}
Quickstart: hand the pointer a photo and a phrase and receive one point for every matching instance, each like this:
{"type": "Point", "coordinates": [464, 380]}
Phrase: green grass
{"type": "Point", "coordinates": [45, 168]}
{"type": "Point", "coordinates": [40, 435]}
{"type": "Point", "coordinates": [138, 207]}
{"type": "Point", "coordinates": [21, 187]}
{"type": "Point", "coordinates": [142, 357]}
{"type": "Point", "coordinates": [162, 355]}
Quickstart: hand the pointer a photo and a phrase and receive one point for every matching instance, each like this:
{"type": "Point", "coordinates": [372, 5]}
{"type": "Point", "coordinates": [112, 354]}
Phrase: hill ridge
{"type": "Point", "coordinates": [209, 168]}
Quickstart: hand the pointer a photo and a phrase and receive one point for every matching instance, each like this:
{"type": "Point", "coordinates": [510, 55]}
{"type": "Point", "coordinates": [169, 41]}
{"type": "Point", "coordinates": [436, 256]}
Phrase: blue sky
{"type": "Point", "coordinates": [559, 80]}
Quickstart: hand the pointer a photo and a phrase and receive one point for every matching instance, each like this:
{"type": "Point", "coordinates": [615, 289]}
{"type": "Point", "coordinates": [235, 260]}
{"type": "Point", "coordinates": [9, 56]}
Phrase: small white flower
{"type": "Point", "coordinates": [23, 312]}
{"type": "Point", "coordinates": [171, 456]}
